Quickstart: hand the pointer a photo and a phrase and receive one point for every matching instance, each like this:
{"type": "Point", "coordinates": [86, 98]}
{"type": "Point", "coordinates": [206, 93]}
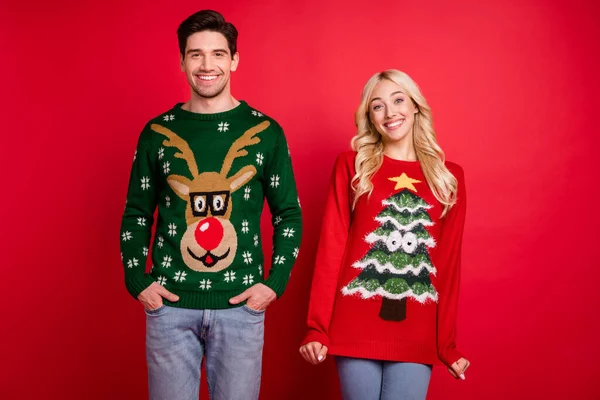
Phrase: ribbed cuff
{"type": "Point", "coordinates": [277, 281]}
{"type": "Point", "coordinates": [315, 336]}
{"type": "Point", "coordinates": [137, 284]}
{"type": "Point", "coordinates": [450, 356]}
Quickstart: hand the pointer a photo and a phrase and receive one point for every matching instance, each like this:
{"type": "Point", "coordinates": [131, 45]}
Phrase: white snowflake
{"type": "Point", "coordinates": [132, 263]}
{"type": "Point", "coordinates": [167, 201]}
{"type": "Point", "coordinates": [247, 257]}
{"type": "Point", "coordinates": [278, 220]}
{"type": "Point", "coordinates": [247, 192]}
{"type": "Point", "coordinates": [151, 268]}
{"type": "Point", "coordinates": [229, 276]}
{"type": "Point", "coordinates": [275, 181]}
{"type": "Point", "coordinates": [162, 280]}
{"type": "Point", "coordinates": [161, 241]}
{"type": "Point", "coordinates": [127, 236]}
{"type": "Point", "coordinates": [256, 113]}
{"type": "Point", "coordinates": [299, 202]}
{"type": "Point", "coordinates": [260, 271]}
{"type": "Point", "coordinates": [288, 232]}
{"type": "Point", "coordinates": [161, 153]}
{"type": "Point", "coordinates": [141, 221]}
{"type": "Point", "coordinates": [248, 279]}
{"type": "Point", "coordinates": [145, 251]}
{"type": "Point", "coordinates": [255, 240]}
{"type": "Point", "coordinates": [296, 252]}
{"type": "Point", "coordinates": [223, 127]}
{"type": "Point", "coordinates": [279, 259]}
{"type": "Point", "coordinates": [134, 155]}
{"type": "Point", "coordinates": [167, 261]}
{"type": "Point", "coordinates": [170, 117]}
{"type": "Point", "coordinates": [245, 228]}
{"type": "Point", "coordinates": [145, 183]}
{"type": "Point", "coordinates": [205, 284]}
{"type": "Point", "coordinates": [166, 167]}
{"type": "Point", "coordinates": [180, 276]}
{"type": "Point", "coordinates": [172, 229]}
{"type": "Point", "coordinates": [260, 158]}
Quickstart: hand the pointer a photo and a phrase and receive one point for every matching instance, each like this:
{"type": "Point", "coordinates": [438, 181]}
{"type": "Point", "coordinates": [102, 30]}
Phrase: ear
{"type": "Point", "coordinates": [181, 65]}
{"type": "Point", "coordinates": [242, 177]}
{"type": "Point", "coordinates": [235, 61]}
{"type": "Point", "coordinates": [180, 185]}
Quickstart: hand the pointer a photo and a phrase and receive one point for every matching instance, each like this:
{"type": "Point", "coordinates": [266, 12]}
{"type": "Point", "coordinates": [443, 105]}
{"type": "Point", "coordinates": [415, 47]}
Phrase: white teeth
{"type": "Point", "coordinates": [208, 78]}
{"type": "Point", "coordinates": [394, 124]}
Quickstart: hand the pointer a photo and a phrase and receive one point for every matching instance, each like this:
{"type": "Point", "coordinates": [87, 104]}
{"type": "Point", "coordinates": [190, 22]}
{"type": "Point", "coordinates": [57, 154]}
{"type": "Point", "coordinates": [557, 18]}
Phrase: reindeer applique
{"type": "Point", "coordinates": [210, 242]}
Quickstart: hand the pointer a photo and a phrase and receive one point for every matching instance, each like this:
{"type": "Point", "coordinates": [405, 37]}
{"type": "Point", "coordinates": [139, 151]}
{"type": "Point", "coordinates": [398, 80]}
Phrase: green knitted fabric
{"type": "Point", "coordinates": [208, 174]}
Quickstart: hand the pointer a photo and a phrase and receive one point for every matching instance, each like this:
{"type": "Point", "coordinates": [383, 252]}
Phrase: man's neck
{"type": "Point", "coordinates": [203, 105]}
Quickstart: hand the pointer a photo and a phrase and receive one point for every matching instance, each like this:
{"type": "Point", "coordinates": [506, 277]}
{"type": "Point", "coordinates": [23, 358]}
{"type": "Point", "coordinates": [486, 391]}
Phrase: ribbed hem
{"type": "Point", "coordinates": [402, 352]}
{"type": "Point", "coordinates": [277, 282]}
{"type": "Point", "coordinates": [315, 336]}
{"type": "Point", "coordinates": [137, 284]}
{"type": "Point", "coordinates": [204, 300]}
{"type": "Point", "coordinates": [240, 109]}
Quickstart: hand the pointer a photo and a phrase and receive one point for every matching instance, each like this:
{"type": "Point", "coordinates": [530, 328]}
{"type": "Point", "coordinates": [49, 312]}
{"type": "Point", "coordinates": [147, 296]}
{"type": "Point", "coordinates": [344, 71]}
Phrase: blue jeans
{"type": "Point", "coordinates": [177, 339]}
{"type": "Point", "coordinates": [364, 379]}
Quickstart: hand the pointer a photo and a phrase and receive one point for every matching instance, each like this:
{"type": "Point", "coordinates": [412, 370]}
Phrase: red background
{"type": "Point", "coordinates": [514, 88]}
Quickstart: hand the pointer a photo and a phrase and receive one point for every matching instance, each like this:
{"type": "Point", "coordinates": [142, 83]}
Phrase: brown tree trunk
{"type": "Point", "coordinates": [393, 310]}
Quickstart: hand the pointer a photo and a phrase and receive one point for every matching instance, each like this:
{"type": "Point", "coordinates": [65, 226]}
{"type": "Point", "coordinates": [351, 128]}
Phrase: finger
{"type": "Point", "coordinates": [322, 354]}
{"type": "Point", "coordinates": [314, 352]}
{"type": "Point", "coordinates": [240, 297]}
{"type": "Point", "coordinates": [451, 371]}
{"type": "Point", "coordinates": [167, 295]}
{"type": "Point", "coordinates": [304, 354]}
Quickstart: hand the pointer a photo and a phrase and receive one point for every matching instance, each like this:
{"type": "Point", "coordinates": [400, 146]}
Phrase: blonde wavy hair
{"type": "Point", "coordinates": [369, 146]}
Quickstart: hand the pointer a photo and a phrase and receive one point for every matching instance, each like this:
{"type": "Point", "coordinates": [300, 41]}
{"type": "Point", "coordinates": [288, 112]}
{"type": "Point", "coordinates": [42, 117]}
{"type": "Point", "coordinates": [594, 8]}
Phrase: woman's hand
{"type": "Point", "coordinates": [458, 368]}
{"type": "Point", "coordinates": [314, 352]}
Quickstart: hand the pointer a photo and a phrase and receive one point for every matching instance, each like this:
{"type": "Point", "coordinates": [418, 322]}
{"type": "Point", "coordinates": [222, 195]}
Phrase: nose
{"type": "Point", "coordinates": [206, 64]}
{"type": "Point", "coordinates": [390, 112]}
{"type": "Point", "coordinates": [209, 233]}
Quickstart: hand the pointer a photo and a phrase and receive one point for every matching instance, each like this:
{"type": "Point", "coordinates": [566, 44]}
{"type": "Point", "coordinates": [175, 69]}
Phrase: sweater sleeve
{"type": "Point", "coordinates": [448, 279]}
{"type": "Point", "coordinates": [282, 197]}
{"type": "Point", "coordinates": [330, 253]}
{"type": "Point", "coordinates": [136, 224]}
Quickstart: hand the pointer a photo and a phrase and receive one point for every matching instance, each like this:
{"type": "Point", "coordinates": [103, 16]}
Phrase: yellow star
{"type": "Point", "coordinates": [403, 181]}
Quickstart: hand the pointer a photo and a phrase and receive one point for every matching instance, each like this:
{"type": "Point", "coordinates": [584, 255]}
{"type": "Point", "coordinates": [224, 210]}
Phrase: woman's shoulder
{"type": "Point", "coordinates": [455, 169]}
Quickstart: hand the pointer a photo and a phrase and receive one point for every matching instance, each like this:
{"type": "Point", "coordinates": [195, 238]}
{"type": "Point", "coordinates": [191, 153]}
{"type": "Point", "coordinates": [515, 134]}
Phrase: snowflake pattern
{"type": "Point", "coordinates": [170, 117]}
{"type": "Point", "coordinates": [132, 263]}
{"type": "Point", "coordinates": [161, 153]}
{"type": "Point", "coordinates": [205, 284]}
{"type": "Point", "coordinates": [167, 261]}
{"type": "Point", "coordinates": [256, 240]}
{"type": "Point", "coordinates": [288, 232]}
{"type": "Point", "coordinates": [166, 167]}
{"type": "Point", "coordinates": [247, 193]}
{"type": "Point", "coordinates": [145, 183]}
{"type": "Point", "coordinates": [180, 276]}
{"type": "Point", "coordinates": [141, 221]}
{"type": "Point", "coordinates": [161, 241]}
{"type": "Point", "coordinates": [278, 220]}
{"type": "Point", "coordinates": [247, 257]}
{"type": "Point", "coordinates": [127, 236]}
{"type": "Point", "coordinates": [229, 276]}
{"type": "Point", "coordinates": [275, 181]}
{"type": "Point", "coordinates": [172, 229]}
{"type": "Point", "coordinates": [167, 201]}
{"type": "Point", "coordinates": [296, 252]}
{"type": "Point", "coordinates": [248, 279]}
{"type": "Point", "coordinates": [134, 155]}
{"type": "Point", "coordinates": [260, 158]}
{"type": "Point", "coordinates": [162, 280]}
{"type": "Point", "coordinates": [145, 251]}
{"type": "Point", "coordinates": [279, 260]}
{"type": "Point", "coordinates": [256, 113]}
{"type": "Point", "coordinates": [245, 228]}
{"type": "Point", "coordinates": [260, 270]}
{"type": "Point", "coordinates": [223, 127]}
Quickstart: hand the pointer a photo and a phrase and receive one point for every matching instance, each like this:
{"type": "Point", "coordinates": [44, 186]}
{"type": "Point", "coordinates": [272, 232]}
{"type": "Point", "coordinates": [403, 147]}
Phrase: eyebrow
{"type": "Point", "coordinates": [379, 98]}
{"type": "Point", "coordinates": [213, 51]}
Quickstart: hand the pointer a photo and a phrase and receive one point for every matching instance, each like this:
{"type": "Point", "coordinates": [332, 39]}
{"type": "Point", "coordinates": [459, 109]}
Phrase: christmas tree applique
{"type": "Point", "coordinates": [398, 265]}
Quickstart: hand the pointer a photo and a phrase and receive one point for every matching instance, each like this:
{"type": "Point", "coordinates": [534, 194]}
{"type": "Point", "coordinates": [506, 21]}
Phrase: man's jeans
{"type": "Point", "coordinates": [178, 338]}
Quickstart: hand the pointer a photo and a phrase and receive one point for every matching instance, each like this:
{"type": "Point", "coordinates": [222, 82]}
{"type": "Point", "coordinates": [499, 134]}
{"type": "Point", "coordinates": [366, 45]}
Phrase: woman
{"type": "Point", "coordinates": [385, 287]}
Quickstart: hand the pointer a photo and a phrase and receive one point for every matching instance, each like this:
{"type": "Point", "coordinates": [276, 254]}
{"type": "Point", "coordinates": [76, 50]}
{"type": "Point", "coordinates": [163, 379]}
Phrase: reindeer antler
{"type": "Point", "coordinates": [175, 141]}
{"type": "Point", "coordinates": [237, 148]}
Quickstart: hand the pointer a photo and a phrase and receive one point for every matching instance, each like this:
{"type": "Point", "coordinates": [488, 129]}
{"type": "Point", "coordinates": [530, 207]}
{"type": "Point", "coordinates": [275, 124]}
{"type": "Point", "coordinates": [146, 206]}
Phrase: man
{"type": "Point", "coordinates": [208, 164]}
